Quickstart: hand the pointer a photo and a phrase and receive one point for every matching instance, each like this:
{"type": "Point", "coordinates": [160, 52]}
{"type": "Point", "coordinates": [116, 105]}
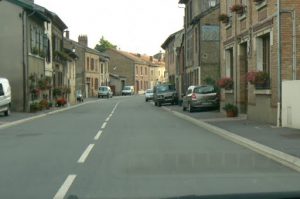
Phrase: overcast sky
{"type": "Point", "coordinates": [138, 26]}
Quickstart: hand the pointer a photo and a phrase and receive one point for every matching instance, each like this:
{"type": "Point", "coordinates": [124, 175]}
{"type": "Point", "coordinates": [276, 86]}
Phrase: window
{"type": "Point", "coordinates": [263, 53]}
{"type": "Point", "coordinates": [229, 63]}
{"type": "Point", "coordinates": [196, 39]}
{"type": "Point", "coordinates": [229, 3]}
{"type": "Point", "coordinates": [39, 41]}
{"type": "Point", "coordinates": [92, 64]}
{"type": "Point", "coordinates": [190, 12]}
{"type": "Point", "coordinates": [96, 83]}
{"type": "Point", "coordinates": [146, 71]}
{"type": "Point", "coordinates": [102, 68]}
{"type": "Point", "coordinates": [141, 71]}
{"type": "Point", "coordinates": [137, 70]}
{"type": "Point", "coordinates": [87, 63]}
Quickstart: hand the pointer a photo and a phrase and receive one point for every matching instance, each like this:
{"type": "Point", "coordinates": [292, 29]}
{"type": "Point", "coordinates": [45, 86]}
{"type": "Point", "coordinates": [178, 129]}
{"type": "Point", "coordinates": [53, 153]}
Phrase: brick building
{"type": "Point", "coordinates": [135, 69]}
{"type": "Point", "coordinates": [249, 42]}
{"type": "Point", "coordinates": [201, 36]}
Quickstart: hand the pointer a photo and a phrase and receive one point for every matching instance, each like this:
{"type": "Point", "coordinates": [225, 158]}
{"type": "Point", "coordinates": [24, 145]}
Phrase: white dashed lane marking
{"type": "Point", "coordinates": [85, 153]}
{"type": "Point", "coordinates": [65, 187]}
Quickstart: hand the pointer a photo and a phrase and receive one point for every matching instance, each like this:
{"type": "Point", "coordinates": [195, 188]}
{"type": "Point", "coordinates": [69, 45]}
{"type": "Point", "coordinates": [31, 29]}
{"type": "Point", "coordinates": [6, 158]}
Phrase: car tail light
{"type": "Point", "coordinates": [194, 97]}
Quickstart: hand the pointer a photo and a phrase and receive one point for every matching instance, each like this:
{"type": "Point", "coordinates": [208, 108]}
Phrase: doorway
{"type": "Point", "coordinates": [243, 70]}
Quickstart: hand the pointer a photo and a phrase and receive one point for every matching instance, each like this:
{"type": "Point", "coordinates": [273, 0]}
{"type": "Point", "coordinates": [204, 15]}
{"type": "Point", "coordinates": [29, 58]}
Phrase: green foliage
{"type": "Point", "coordinates": [34, 107]}
{"type": "Point", "coordinates": [209, 81]}
{"type": "Point", "coordinates": [230, 108]}
{"type": "Point", "coordinates": [104, 45]}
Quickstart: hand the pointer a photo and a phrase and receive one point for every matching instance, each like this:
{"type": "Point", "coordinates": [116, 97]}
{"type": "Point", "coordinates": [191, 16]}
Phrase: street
{"type": "Point", "coordinates": [126, 148]}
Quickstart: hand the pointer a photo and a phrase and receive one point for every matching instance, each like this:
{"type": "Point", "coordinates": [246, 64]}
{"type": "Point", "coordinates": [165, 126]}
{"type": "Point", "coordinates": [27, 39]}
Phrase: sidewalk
{"type": "Point", "coordinates": [282, 139]}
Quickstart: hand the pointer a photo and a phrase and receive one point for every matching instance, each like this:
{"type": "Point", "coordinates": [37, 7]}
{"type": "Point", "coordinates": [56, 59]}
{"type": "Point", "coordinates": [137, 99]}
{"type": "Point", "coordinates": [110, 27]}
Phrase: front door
{"type": "Point", "coordinates": [243, 70]}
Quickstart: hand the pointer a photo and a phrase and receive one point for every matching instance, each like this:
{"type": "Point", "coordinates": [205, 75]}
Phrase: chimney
{"type": "Point", "coordinates": [151, 58]}
{"type": "Point", "coordinates": [83, 40]}
{"type": "Point", "coordinates": [67, 34]}
{"type": "Point", "coordinates": [138, 54]}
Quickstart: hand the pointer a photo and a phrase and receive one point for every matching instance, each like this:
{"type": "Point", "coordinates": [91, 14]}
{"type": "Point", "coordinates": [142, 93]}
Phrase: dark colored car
{"type": "Point", "coordinates": [197, 97]}
{"type": "Point", "coordinates": [165, 93]}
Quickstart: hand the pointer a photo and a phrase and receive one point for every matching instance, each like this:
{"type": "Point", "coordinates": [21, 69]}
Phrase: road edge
{"type": "Point", "coordinates": [21, 121]}
{"type": "Point", "coordinates": [276, 155]}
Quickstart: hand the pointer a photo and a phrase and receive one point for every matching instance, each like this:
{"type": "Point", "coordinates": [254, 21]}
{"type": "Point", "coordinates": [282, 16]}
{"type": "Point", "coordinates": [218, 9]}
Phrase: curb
{"type": "Point", "coordinates": [278, 156]}
{"type": "Point", "coordinates": [10, 124]}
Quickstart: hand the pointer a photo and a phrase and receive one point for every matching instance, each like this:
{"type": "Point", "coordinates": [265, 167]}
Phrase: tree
{"type": "Point", "coordinates": [104, 45]}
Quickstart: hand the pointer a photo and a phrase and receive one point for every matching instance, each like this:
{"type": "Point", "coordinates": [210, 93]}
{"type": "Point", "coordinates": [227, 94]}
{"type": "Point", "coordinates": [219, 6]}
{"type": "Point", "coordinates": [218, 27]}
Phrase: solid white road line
{"type": "Point", "coordinates": [65, 187]}
{"type": "Point", "coordinates": [85, 153]}
{"type": "Point", "coordinates": [103, 125]}
{"type": "Point", "coordinates": [98, 135]}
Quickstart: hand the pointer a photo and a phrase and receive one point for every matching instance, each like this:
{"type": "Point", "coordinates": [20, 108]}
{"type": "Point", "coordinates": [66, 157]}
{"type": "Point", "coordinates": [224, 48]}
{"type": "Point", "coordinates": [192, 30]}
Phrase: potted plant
{"type": "Point", "coordinates": [231, 110]}
{"type": "Point", "coordinates": [224, 18]}
{"type": "Point", "coordinates": [237, 8]}
{"type": "Point", "coordinates": [226, 83]}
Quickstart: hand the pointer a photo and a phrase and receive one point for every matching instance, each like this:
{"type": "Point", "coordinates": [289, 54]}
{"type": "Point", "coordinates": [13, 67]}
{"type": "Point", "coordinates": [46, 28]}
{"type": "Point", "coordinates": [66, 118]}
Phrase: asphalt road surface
{"type": "Point", "coordinates": [126, 148]}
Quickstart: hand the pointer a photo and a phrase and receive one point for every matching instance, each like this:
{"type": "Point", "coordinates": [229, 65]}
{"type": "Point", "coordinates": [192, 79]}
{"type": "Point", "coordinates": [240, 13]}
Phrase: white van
{"type": "Point", "coordinates": [128, 90]}
{"type": "Point", "coordinates": [5, 96]}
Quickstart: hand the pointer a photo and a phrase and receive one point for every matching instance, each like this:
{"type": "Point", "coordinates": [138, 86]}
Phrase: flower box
{"type": "Point", "coordinates": [226, 83]}
{"type": "Point", "coordinates": [237, 8]}
{"type": "Point", "coordinates": [260, 79]}
{"type": "Point", "coordinates": [224, 18]}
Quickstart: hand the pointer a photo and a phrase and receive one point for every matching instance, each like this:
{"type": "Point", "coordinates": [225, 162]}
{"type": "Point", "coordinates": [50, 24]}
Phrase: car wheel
{"type": "Point", "coordinates": [107, 96]}
{"type": "Point", "coordinates": [183, 108]}
{"type": "Point", "coordinates": [146, 100]}
{"type": "Point", "coordinates": [159, 104]}
{"type": "Point", "coordinates": [7, 112]}
{"type": "Point", "coordinates": [155, 103]}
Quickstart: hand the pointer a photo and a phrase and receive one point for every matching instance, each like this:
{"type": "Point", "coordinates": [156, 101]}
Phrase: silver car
{"type": "Point", "coordinates": [201, 97]}
{"type": "Point", "coordinates": [148, 95]}
{"type": "Point", "coordinates": [104, 91]}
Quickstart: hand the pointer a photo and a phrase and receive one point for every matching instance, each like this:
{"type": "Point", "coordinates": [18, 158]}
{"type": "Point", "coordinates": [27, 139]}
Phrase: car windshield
{"type": "Point", "coordinates": [149, 99]}
{"type": "Point", "coordinates": [103, 88]}
{"type": "Point", "coordinates": [204, 89]}
{"type": "Point", "coordinates": [165, 88]}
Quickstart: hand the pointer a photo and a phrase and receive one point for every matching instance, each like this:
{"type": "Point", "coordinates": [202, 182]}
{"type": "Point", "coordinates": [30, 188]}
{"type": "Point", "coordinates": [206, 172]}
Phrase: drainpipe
{"type": "Point", "coordinates": [25, 62]}
{"type": "Point", "coordinates": [278, 66]}
{"type": "Point", "coordinates": [294, 45]}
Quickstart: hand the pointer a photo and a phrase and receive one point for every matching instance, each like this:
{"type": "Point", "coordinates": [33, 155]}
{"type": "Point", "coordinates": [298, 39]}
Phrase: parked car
{"type": "Point", "coordinates": [104, 91]}
{"type": "Point", "coordinates": [206, 96]}
{"type": "Point", "coordinates": [165, 93]}
{"type": "Point", "coordinates": [5, 96]}
{"type": "Point", "coordinates": [79, 96]}
{"type": "Point", "coordinates": [149, 94]}
{"type": "Point", "coordinates": [128, 90]}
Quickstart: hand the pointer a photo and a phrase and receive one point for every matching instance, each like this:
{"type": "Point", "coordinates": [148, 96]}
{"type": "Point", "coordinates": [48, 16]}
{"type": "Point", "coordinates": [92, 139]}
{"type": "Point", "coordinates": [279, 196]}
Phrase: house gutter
{"type": "Point", "coordinates": [25, 62]}
{"type": "Point", "coordinates": [279, 89]}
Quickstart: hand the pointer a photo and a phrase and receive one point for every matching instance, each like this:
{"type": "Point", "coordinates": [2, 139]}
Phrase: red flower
{"type": "Point", "coordinates": [226, 83]}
